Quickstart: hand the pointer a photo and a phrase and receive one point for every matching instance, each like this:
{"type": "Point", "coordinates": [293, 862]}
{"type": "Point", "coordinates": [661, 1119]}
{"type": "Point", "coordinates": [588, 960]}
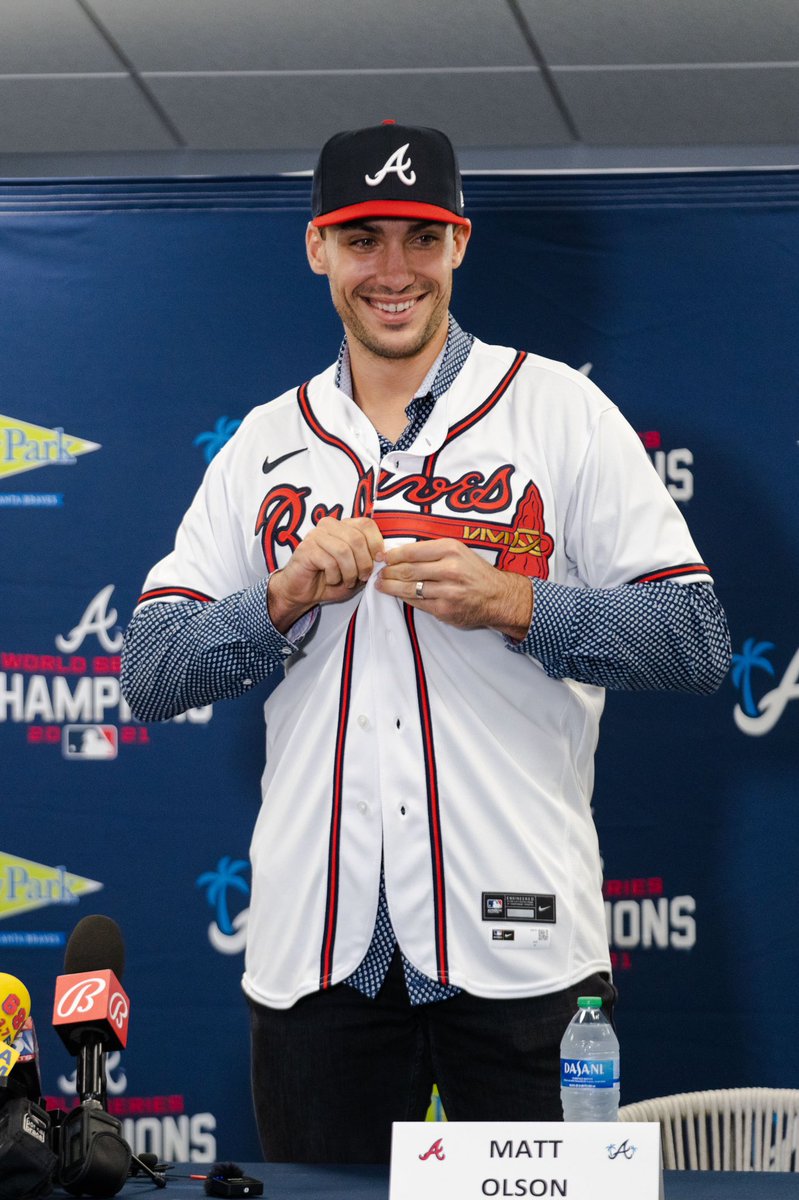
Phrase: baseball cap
{"type": "Point", "coordinates": [387, 170]}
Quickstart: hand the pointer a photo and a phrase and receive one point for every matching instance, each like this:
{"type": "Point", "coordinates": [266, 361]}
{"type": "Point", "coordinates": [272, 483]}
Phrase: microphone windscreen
{"type": "Point", "coordinates": [95, 944]}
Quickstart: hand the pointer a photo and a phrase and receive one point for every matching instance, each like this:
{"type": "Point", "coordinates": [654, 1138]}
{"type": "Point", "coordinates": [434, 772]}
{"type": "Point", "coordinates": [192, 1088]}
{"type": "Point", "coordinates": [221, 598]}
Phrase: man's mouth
{"type": "Point", "coordinates": [389, 307]}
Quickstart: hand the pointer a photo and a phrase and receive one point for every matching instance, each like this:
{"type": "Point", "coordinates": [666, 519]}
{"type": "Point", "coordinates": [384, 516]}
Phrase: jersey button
{"type": "Point", "coordinates": [363, 721]}
{"type": "Point", "coordinates": [363, 807]}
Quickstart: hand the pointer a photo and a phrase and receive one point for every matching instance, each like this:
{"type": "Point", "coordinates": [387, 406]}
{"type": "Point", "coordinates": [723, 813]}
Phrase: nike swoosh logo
{"type": "Point", "coordinates": [269, 465]}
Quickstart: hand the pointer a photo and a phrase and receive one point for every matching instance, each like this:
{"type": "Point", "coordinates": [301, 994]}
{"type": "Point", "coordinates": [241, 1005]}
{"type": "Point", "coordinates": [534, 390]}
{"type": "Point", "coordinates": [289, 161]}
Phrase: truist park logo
{"type": "Point", "coordinates": [25, 446]}
{"type": "Point", "coordinates": [26, 885]}
{"type": "Point", "coordinates": [758, 710]}
{"type": "Point", "coordinates": [71, 698]}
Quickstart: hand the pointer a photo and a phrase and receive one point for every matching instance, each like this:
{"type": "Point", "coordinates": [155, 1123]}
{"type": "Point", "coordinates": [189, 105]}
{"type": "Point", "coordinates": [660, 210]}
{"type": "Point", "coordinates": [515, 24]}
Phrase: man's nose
{"type": "Point", "coordinates": [395, 267]}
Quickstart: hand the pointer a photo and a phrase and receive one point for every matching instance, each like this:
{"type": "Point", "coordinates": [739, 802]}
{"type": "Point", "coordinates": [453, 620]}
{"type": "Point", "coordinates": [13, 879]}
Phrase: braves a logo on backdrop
{"type": "Point", "coordinates": [522, 544]}
{"type": "Point", "coordinates": [397, 164]}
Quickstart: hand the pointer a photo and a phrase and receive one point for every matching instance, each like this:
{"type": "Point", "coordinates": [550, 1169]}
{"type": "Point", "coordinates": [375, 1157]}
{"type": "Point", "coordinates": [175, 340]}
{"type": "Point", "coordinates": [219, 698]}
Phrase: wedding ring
{"type": "Point", "coordinates": [420, 589]}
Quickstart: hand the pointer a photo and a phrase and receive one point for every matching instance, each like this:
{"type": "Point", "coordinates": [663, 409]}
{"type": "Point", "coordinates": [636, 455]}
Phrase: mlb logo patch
{"type": "Point", "coordinates": [89, 741]}
{"type": "Point", "coordinates": [494, 904]}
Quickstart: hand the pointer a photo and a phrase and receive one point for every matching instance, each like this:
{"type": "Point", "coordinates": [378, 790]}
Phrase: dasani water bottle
{"type": "Point", "coordinates": [589, 1065]}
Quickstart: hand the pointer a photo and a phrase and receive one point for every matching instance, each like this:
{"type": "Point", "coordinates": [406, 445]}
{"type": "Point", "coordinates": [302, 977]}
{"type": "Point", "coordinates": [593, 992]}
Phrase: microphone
{"type": "Point", "coordinates": [19, 1051]}
{"type": "Point", "coordinates": [90, 1014]}
{"type": "Point", "coordinates": [91, 1009]}
{"type": "Point", "coordinates": [15, 1006]}
{"type": "Point", "coordinates": [27, 1161]}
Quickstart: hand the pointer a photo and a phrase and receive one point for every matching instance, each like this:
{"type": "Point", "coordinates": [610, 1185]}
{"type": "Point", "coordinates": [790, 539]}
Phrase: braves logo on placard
{"type": "Point", "coordinates": [435, 1151]}
{"type": "Point", "coordinates": [80, 997]}
{"type": "Point", "coordinates": [623, 1150]}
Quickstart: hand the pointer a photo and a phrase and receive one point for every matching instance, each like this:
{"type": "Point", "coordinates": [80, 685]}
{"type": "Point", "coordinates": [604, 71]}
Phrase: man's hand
{"type": "Point", "coordinates": [329, 565]}
{"type": "Point", "coordinates": [460, 587]}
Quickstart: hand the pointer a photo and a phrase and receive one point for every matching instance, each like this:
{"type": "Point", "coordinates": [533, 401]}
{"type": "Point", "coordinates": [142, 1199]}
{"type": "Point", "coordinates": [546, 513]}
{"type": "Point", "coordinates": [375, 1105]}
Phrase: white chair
{"type": "Point", "coordinates": [738, 1129]}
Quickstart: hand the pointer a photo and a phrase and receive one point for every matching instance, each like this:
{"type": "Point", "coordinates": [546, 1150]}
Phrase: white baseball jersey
{"type": "Point", "coordinates": [393, 734]}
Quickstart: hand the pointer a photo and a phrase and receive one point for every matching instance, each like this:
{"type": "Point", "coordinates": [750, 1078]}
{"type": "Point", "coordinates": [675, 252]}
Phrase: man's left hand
{"type": "Point", "coordinates": [458, 587]}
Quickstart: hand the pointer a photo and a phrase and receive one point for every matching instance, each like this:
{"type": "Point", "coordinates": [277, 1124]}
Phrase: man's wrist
{"type": "Point", "coordinates": [283, 611]}
{"type": "Point", "coordinates": [516, 612]}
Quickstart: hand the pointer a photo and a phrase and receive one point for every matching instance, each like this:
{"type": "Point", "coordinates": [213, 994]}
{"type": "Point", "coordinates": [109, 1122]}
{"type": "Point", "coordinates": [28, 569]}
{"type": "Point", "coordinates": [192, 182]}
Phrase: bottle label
{"type": "Point", "coordinates": [589, 1073]}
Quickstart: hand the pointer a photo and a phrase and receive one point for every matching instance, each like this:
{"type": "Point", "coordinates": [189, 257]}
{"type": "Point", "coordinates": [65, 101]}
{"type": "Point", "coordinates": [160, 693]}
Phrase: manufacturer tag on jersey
{"type": "Point", "coordinates": [525, 937]}
{"type": "Point", "coordinates": [518, 906]}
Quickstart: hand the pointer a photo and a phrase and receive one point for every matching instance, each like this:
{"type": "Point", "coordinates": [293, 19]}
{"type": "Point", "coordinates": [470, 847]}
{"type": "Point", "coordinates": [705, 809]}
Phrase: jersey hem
{"type": "Point", "coordinates": [474, 989]}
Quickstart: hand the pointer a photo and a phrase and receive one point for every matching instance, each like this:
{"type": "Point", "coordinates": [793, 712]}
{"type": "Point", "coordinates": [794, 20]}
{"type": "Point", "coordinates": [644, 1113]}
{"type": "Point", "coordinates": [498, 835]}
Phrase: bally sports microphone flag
{"type": "Point", "coordinates": [91, 1000]}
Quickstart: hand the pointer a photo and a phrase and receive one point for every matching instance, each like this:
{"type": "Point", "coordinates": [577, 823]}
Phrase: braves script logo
{"type": "Point", "coordinates": [397, 165]}
{"type": "Point", "coordinates": [523, 545]}
{"type": "Point", "coordinates": [435, 1151]}
{"type": "Point", "coordinates": [80, 997]}
{"type": "Point", "coordinates": [282, 513]}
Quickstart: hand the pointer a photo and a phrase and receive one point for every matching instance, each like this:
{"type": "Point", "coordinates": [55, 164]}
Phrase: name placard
{"type": "Point", "coordinates": [463, 1160]}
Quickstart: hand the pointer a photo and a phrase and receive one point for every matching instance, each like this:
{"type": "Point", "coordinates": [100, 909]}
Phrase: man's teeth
{"type": "Point", "coordinates": [394, 308]}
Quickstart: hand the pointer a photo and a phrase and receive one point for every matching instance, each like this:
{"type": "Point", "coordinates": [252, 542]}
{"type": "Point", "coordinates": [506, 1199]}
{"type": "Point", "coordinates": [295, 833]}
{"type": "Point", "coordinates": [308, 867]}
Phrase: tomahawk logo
{"type": "Point", "coordinates": [397, 165]}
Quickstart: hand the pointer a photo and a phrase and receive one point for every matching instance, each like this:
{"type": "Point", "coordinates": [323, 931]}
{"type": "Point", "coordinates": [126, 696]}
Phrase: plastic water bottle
{"type": "Point", "coordinates": [589, 1065]}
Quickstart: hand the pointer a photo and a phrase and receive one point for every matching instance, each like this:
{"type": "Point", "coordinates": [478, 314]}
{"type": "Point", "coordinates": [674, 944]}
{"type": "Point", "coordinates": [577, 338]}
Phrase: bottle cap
{"type": "Point", "coordinates": [589, 1002]}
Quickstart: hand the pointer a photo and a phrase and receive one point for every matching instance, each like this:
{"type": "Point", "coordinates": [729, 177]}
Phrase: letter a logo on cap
{"type": "Point", "coordinates": [396, 164]}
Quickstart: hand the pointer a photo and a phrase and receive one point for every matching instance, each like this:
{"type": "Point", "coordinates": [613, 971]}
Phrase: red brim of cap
{"type": "Point", "coordinates": [389, 208]}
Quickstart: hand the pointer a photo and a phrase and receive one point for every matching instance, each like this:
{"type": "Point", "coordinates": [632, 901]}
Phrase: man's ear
{"type": "Point", "coordinates": [316, 249]}
{"type": "Point", "coordinates": [460, 240]}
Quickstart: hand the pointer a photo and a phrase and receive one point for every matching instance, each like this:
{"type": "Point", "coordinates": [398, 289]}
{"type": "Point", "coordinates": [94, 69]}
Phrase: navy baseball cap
{"type": "Point", "coordinates": [387, 170]}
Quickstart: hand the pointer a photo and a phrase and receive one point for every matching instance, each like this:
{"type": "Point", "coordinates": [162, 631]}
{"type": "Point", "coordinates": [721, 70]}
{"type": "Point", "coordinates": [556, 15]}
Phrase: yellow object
{"type": "Point", "coordinates": [15, 1007]}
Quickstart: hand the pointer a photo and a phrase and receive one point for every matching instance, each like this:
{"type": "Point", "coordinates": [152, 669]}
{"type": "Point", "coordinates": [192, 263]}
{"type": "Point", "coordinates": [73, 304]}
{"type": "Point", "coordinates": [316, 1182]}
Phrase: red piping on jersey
{"type": "Point", "coordinates": [673, 573]}
{"type": "Point", "coordinates": [323, 434]}
{"type": "Point", "coordinates": [331, 909]}
{"type": "Point", "coordinates": [433, 811]}
{"type": "Point", "coordinates": [186, 593]}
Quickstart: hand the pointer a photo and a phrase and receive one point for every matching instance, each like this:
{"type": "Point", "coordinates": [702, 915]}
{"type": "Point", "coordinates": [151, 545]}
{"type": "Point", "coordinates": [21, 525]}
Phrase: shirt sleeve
{"type": "Point", "coordinates": [184, 654]}
{"type": "Point", "coordinates": [664, 636]}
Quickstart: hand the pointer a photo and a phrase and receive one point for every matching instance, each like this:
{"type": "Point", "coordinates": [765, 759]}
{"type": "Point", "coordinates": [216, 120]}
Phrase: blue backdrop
{"type": "Point", "coordinates": [140, 321]}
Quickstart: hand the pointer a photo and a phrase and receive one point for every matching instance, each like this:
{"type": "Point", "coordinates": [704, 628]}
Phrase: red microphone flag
{"type": "Point", "coordinates": [91, 1000]}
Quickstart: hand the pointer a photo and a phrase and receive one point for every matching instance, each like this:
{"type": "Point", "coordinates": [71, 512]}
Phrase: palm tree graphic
{"type": "Point", "coordinates": [753, 655]}
{"type": "Point", "coordinates": [218, 882]}
{"type": "Point", "coordinates": [214, 440]}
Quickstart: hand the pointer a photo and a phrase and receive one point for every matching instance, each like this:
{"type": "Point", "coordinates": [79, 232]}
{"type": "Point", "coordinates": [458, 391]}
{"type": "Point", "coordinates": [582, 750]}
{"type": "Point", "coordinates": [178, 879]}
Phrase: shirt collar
{"type": "Point", "coordinates": [438, 379]}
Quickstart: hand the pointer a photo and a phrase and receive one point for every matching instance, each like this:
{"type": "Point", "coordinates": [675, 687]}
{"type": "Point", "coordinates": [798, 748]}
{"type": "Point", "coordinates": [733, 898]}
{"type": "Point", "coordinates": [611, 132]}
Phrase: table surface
{"type": "Point", "coordinates": [284, 1181]}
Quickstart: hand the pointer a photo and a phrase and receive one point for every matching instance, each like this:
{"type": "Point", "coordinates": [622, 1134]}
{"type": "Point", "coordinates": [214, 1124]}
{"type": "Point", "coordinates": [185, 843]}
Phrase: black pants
{"type": "Point", "coordinates": [331, 1073]}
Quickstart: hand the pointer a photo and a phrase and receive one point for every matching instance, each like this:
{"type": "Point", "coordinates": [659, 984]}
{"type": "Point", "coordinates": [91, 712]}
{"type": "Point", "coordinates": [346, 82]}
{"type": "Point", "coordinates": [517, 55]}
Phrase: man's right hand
{"type": "Point", "coordinates": [329, 565]}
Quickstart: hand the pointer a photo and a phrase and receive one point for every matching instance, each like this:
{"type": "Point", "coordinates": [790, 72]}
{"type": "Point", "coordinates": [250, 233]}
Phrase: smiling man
{"type": "Point", "coordinates": [446, 551]}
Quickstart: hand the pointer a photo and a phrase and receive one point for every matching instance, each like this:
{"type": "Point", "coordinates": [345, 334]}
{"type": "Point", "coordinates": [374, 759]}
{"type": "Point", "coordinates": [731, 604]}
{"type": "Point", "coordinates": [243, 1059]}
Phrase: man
{"type": "Point", "coordinates": [448, 550]}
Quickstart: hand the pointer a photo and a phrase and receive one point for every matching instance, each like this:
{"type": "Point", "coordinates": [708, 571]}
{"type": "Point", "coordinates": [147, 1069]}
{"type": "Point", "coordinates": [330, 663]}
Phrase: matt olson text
{"type": "Point", "coordinates": [535, 1148]}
